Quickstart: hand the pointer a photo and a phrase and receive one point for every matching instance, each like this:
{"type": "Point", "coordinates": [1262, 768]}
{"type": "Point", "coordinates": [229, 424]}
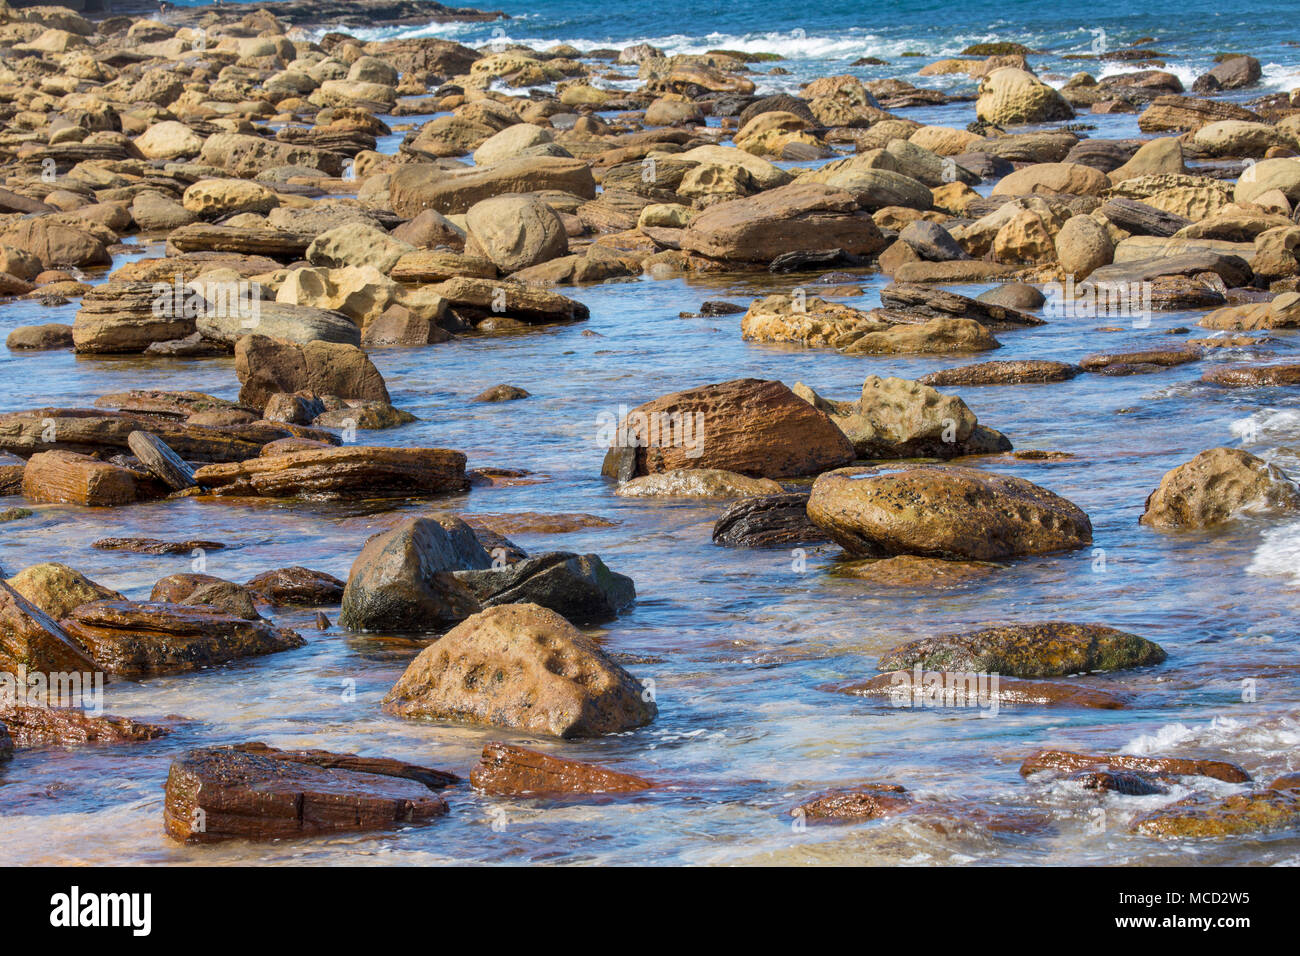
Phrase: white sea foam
{"type": "Point", "coordinates": [1279, 554]}
{"type": "Point", "coordinates": [1275, 735]}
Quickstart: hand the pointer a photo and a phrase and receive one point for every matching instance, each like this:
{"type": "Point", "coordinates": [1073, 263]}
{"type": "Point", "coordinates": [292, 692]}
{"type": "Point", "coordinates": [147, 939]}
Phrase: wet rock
{"type": "Point", "coordinates": [915, 303]}
{"type": "Point", "coordinates": [1240, 814]}
{"type": "Point", "coordinates": [31, 639]}
{"type": "Point", "coordinates": [1052, 649]}
{"type": "Point", "coordinates": [501, 393]}
{"type": "Point", "coordinates": [1253, 376]}
{"type": "Point", "coordinates": [697, 483]}
{"type": "Point", "coordinates": [63, 477]}
{"type": "Point", "coordinates": [1016, 372]}
{"type": "Point", "coordinates": [66, 726]}
{"type": "Point", "coordinates": [749, 426]}
{"type": "Point", "coordinates": [1282, 312]}
{"type": "Point", "coordinates": [478, 299]}
{"type": "Point", "coordinates": [163, 463]}
{"type": "Point", "coordinates": [266, 366]}
{"type": "Point", "coordinates": [580, 587]}
{"type": "Point", "coordinates": [946, 512]}
{"type": "Point", "coordinates": [216, 794]}
{"type": "Point", "coordinates": [134, 640]}
{"type": "Point", "coordinates": [811, 321]}
{"type": "Point", "coordinates": [800, 217]}
{"type": "Point", "coordinates": [1232, 74]}
{"type": "Point", "coordinates": [524, 667]}
{"type": "Point", "coordinates": [1064, 761]}
{"type": "Point", "coordinates": [155, 545]}
{"type": "Point", "coordinates": [1216, 485]}
{"type": "Point", "coordinates": [1104, 362]}
{"type": "Point", "coordinates": [58, 589]}
{"type": "Point", "coordinates": [296, 587]}
{"type": "Point", "coordinates": [772, 521]}
{"type": "Point", "coordinates": [920, 688]}
{"type": "Point", "coordinates": [910, 571]}
{"type": "Point", "coordinates": [353, 472]}
{"type": "Point", "coordinates": [403, 580]}
{"type": "Point", "coordinates": [224, 596]}
{"type": "Point", "coordinates": [505, 770]}
{"type": "Point", "coordinates": [869, 803]}
{"type": "Point", "coordinates": [1127, 783]}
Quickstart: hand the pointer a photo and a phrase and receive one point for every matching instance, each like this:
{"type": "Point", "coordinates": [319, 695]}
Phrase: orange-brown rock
{"type": "Point", "coordinates": [749, 426]}
{"type": "Point", "coordinates": [1066, 761]}
{"type": "Point", "coordinates": [1216, 485]}
{"type": "Point", "coordinates": [64, 477]}
{"type": "Point", "coordinates": [31, 639]}
{"type": "Point", "coordinates": [66, 726]}
{"type": "Point", "coordinates": [351, 472]}
{"type": "Point", "coordinates": [1237, 815]}
{"type": "Point", "coordinates": [867, 803]}
{"type": "Point", "coordinates": [132, 639]}
{"type": "Point", "coordinates": [267, 366]}
{"type": "Point", "coordinates": [216, 794]}
{"type": "Point", "coordinates": [1013, 372]}
{"type": "Point", "coordinates": [1253, 376]}
{"type": "Point", "coordinates": [945, 512]}
{"type": "Point", "coordinates": [516, 771]}
{"type": "Point", "coordinates": [552, 678]}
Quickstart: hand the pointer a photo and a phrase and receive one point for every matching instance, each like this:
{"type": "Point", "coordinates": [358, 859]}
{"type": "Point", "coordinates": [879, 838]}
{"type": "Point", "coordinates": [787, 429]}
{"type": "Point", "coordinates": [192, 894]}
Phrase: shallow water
{"type": "Point", "coordinates": [738, 643]}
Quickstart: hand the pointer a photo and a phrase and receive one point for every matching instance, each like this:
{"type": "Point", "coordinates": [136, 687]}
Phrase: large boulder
{"type": "Point", "coordinates": [357, 244]}
{"type": "Point", "coordinates": [56, 244]}
{"type": "Point", "coordinates": [1260, 178]}
{"type": "Point", "coordinates": [403, 580]}
{"type": "Point", "coordinates": [1010, 96]}
{"type": "Point", "coordinates": [945, 512]}
{"type": "Point", "coordinates": [267, 366]}
{"type": "Point", "coordinates": [750, 426]}
{"type": "Point", "coordinates": [516, 232]}
{"type": "Point", "coordinates": [1071, 179]}
{"type": "Point", "coordinates": [524, 667]}
{"type": "Point", "coordinates": [801, 217]}
{"type": "Point", "coordinates": [1216, 485]}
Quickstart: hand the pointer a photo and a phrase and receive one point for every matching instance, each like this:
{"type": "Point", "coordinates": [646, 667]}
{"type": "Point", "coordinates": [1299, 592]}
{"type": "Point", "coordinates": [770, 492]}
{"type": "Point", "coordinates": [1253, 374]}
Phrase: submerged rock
{"type": "Point", "coordinates": [1240, 814]}
{"type": "Point", "coordinates": [31, 639]}
{"type": "Point", "coordinates": [697, 483]}
{"type": "Point", "coordinates": [524, 667]}
{"type": "Point", "coordinates": [58, 589]}
{"type": "Point", "coordinates": [68, 726]}
{"type": "Point", "coordinates": [918, 688]}
{"type": "Point", "coordinates": [354, 472]}
{"type": "Point", "coordinates": [1064, 761]}
{"type": "Point", "coordinates": [1052, 649]}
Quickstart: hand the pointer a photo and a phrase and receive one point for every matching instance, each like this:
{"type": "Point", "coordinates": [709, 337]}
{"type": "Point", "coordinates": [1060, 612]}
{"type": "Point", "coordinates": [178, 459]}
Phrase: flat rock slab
{"type": "Point", "coordinates": [66, 726]}
{"type": "Point", "coordinates": [927, 303]}
{"type": "Point", "coordinates": [1064, 761]}
{"type": "Point", "coordinates": [1052, 649]}
{"type": "Point", "coordinates": [353, 472]}
{"type": "Point", "coordinates": [516, 771]}
{"type": "Point", "coordinates": [133, 639]}
{"type": "Point", "coordinates": [216, 794]}
{"type": "Point", "coordinates": [1010, 372]}
{"type": "Point", "coordinates": [155, 545]}
{"type": "Point", "coordinates": [917, 688]}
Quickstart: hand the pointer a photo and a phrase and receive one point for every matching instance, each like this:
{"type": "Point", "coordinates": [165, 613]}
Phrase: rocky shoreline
{"type": "Point", "coordinates": [244, 161]}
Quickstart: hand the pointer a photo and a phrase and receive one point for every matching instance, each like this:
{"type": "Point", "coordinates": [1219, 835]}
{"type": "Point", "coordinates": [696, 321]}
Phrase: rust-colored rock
{"type": "Point", "coordinates": [267, 366]}
{"type": "Point", "coordinates": [1065, 761]}
{"type": "Point", "coordinates": [749, 426]}
{"type": "Point", "coordinates": [64, 477]}
{"type": "Point", "coordinates": [917, 688]}
{"type": "Point", "coordinates": [1240, 814]}
{"type": "Point", "coordinates": [216, 794]}
{"type": "Point", "coordinates": [67, 726]}
{"type": "Point", "coordinates": [1013, 372]}
{"type": "Point", "coordinates": [31, 639]}
{"type": "Point", "coordinates": [867, 803]}
{"type": "Point", "coordinates": [516, 771]}
{"type": "Point", "coordinates": [133, 639]}
{"type": "Point", "coordinates": [353, 472]}
{"type": "Point", "coordinates": [294, 587]}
